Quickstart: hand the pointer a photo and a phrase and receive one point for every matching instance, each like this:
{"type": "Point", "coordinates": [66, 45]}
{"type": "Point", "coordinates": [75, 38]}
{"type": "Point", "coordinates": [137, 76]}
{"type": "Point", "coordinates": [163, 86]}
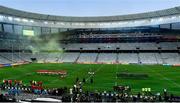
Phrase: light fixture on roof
{"type": "Point", "coordinates": [152, 20]}
{"type": "Point", "coordinates": [25, 20]}
{"type": "Point", "coordinates": [60, 23]}
{"type": "Point", "coordinates": [10, 18]}
{"type": "Point", "coordinates": [17, 19]}
{"type": "Point", "coordinates": [161, 19]}
{"type": "Point", "coordinates": [45, 22]}
{"type": "Point", "coordinates": [32, 21]}
{"type": "Point", "coordinates": [1, 17]}
{"type": "Point", "coordinates": [173, 17]}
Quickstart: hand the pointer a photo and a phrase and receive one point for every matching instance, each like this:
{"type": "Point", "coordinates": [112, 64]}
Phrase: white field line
{"type": "Point", "coordinates": [94, 72]}
{"type": "Point", "coordinates": [167, 79]}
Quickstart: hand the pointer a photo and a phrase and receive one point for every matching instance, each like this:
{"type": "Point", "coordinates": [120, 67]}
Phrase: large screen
{"type": "Point", "coordinates": [28, 32]}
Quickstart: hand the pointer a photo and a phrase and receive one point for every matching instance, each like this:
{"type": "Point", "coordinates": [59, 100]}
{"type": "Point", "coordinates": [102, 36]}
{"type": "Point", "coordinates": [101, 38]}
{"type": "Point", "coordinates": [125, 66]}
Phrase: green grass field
{"type": "Point", "coordinates": [104, 79]}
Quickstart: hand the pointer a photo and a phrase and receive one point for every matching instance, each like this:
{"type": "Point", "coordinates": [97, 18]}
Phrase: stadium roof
{"type": "Point", "coordinates": [23, 14]}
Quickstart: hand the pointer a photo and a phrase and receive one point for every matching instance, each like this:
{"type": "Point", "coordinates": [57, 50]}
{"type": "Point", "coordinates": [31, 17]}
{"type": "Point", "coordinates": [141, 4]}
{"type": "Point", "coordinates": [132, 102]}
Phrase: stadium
{"type": "Point", "coordinates": [125, 58]}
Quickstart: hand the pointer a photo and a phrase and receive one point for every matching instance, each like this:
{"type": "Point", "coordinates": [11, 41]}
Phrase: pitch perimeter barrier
{"type": "Point", "coordinates": [7, 65]}
{"type": "Point", "coordinates": [1, 65]}
{"type": "Point", "coordinates": [14, 64]}
{"type": "Point", "coordinates": [176, 65]}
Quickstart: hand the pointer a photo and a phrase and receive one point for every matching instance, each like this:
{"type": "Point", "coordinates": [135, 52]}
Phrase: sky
{"type": "Point", "coordinates": [82, 8]}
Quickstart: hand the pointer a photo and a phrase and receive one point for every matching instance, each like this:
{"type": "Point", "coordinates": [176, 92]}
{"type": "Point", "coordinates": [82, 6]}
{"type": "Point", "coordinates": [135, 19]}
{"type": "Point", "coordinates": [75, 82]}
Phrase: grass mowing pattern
{"type": "Point", "coordinates": [104, 79]}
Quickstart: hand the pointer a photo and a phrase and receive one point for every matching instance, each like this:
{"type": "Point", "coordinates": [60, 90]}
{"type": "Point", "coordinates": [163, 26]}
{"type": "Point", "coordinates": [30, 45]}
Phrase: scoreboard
{"type": "Point", "coordinates": [28, 32]}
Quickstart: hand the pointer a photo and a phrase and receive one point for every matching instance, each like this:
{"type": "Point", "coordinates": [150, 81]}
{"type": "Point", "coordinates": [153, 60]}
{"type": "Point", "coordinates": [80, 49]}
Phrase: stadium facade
{"type": "Point", "coordinates": [107, 39]}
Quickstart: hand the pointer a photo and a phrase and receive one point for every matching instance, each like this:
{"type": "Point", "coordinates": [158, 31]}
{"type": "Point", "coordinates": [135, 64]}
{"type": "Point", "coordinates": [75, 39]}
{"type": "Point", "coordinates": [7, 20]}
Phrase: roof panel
{"type": "Point", "coordinates": [19, 13]}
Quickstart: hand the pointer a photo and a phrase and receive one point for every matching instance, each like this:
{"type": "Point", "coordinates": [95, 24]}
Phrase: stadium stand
{"type": "Point", "coordinates": [170, 58]}
{"type": "Point", "coordinates": [122, 46]}
{"type": "Point", "coordinates": [26, 56]}
{"type": "Point", "coordinates": [69, 57]}
{"type": "Point", "coordinates": [147, 58]}
{"type": "Point", "coordinates": [87, 57]}
{"type": "Point", "coordinates": [128, 58]}
{"type": "Point", "coordinates": [41, 57]}
{"type": "Point", "coordinates": [144, 58]}
{"type": "Point", "coordinates": [168, 46]}
{"type": "Point", "coordinates": [107, 57]}
{"type": "Point", "coordinates": [158, 58]}
{"type": "Point", "coordinates": [53, 57]}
